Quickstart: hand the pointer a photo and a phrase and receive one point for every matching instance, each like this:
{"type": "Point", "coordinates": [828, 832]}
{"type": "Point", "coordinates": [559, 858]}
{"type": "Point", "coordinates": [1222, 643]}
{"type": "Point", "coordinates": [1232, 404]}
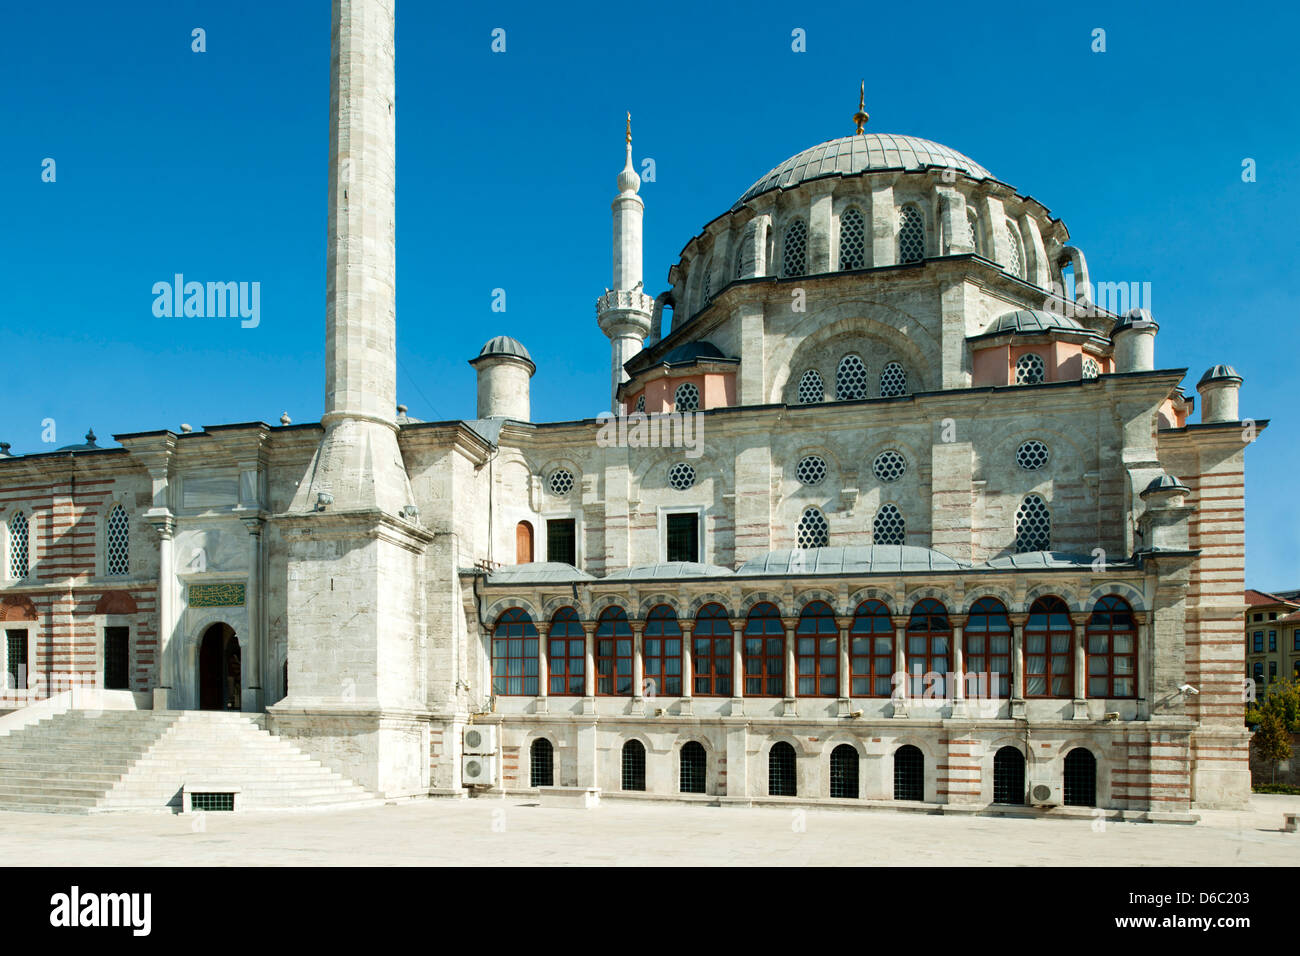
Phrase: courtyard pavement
{"type": "Point", "coordinates": [496, 831]}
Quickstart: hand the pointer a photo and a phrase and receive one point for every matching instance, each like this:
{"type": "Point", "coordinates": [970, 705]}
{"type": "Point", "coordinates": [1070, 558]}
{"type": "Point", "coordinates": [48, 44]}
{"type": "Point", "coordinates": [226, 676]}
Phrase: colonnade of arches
{"type": "Point", "coordinates": [1046, 652]}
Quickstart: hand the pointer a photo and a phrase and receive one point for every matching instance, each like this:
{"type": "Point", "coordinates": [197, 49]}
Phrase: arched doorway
{"type": "Point", "coordinates": [844, 772]}
{"type": "Point", "coordinates": [1008, 776]}
{"type": "Point", "coordinates": [1080, 778]}
{"type": "Point", "coordinates": [909, 773]}
{"type": "Point", "coordinates": [523, 543]}
{"type": "Point", "coordinates": [220, 676]}
{"type": "Point", "coordinates": [693, 767]}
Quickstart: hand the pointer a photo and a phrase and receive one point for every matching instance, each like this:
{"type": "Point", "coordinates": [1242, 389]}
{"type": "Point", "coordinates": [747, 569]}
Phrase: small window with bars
{"type": "Point", "coordinates": [16, 658]}
{"type": "Point", "coordinates": [212, 802]}
{"type": "Point", "coordinates": [562, 541]}
{"type": "Point", "coordinates": [117, 541]}
{"type": "Point", "coordinates": [911, 235]}
{"type": "Point", "coordinates": [851, 379]}
{"type": "Point", "coordinates": [683, 537]}
{"type": "Point", "coordinates": [811, 388]}
{"type": "Point", "coordinates": [541, 763]}
{"type": "Point", "coordinates": [18, 546]}
{"type": "Point", "coordinates": [893, 380]}
{"type": "Point", "coordinates": [634, 765]}
{"type": "Point", "coordinates": [1030, 370]}
{"type": "Point", "coordinates": [1033, 525]}
{"type": "Point", "coordinates": [796, 248]}
{"type": "Point", "coordinates": [1015, 250]}
{"type": "Point", "coordinates": [813, 531]}
{"type": "Point", "coordinates": [852, 239]}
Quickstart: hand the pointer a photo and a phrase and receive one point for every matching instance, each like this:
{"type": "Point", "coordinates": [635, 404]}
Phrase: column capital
{"type": "Point", "coordinates": [255, 524]}
{"type": "Point", "coordinates": [163, 522]}
{"type": "Point", "coordinates": [687, 627]}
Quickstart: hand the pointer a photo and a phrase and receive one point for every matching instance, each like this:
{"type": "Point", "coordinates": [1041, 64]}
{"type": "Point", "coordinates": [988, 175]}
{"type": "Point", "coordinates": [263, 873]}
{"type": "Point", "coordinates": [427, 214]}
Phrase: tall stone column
{"type": "Point", "coordinates": [638, 669]}
{"type": "Point", "coordinates": [844, 624]}
{"type": "Point", "coordinates": [589, 668]}
{"type": "Point", "coordinates": [688, 667]}
{"type": "Point", "coordinates": [165, 526]}
{"type": "Point", "coordinates": [543, 673]}
{"type": "Point", "coordinates": [1080, 675]}
{"type": "Point", "coordinates": [900, 689]}
{"type": "Point", "coordinates": [1018, 664]}
{"type": "Point", "coordinates": [791, 671]}
{"type": "Point", "coordinates": [737, 676]}
{"type": "Point", "coordinates": [254, 681]}
{"type": "Point", "coordinates": [958, 692]}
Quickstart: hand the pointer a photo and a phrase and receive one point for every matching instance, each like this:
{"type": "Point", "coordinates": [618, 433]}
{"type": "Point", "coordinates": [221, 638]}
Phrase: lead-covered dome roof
{"type": "Point", "coordinates": [856, 154]}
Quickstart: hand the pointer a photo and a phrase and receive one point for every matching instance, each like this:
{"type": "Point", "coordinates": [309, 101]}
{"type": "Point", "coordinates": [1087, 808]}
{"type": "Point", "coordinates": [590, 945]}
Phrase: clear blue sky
{"type": "Point", "coordinates": [214, 165]}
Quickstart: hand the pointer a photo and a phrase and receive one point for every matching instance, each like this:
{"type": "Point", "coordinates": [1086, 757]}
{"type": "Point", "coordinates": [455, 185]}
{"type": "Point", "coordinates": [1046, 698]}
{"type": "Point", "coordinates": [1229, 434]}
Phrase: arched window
{"type": "Point", "coordinates": [764, 652]}
{"type": "Point", "coordinates": [973, 223]}
{"type": "Point", "coordinates": [566, 654]}
{"type": "Point", "coordinates": [711, 665]}
{"type": "Point", "coordinates": [817, 651]}
{"type": "Point", "coordinates": [780, 771]}
{"type": "Point", "coordinates": [661, 653]}
{"type": "Point", "coordinates": [117, 552]}
{"type": "Point", "coordinates": [1033, 525]}
{"type": "Point", "coordinates": [853, 248]}
{"type": "Point", "coordinates": [1049, 650]}
{"type": "Point", "coordinates": [893, 380]}
{"type": "Point", "coordinates": [693, 770]}
{"type": "Point", "coordinates": [523, 543]}
{"type": "Point", "coordinates": [740, 259]}
{"type": "Point", "coordinates": [640, 402]}
{"type": "Point", "coordinates": [888, 526]}
{"type": "Point", "coordinates": [929, 640]}
{"type": "Point", "coordinates": [18, 546]}
{"type": "Point", "coordinates": [911, 235]}
{"type": "Point", "coordinates": [686, 398]}
{"type": "Point", "coordinates": [851, 379]}
{"type": "Point", "coordinates": [811, 388]}
{"type": "Point", "coordinates": [987, 650]}
{"type": "Point", "coordinates": [844, 772]}
{"type": "Point", "coordinates": [613, 653]}
{"type": "Point", "coordinates": [634, 765]}
{"type": "Point", "coordinates": [706, 288]}
{"type": "Point", "coordinates": [514, 654]}
{"type": "Point", "coordinates": [1009, 776]}
{"type": "Point", "coordinates": [796, 248]}
{"type": "Point", "coordinates": [1080, 778]}
{"type": "Point", "coordinates": [1015, 250]}
{"type": "Point", "coordinates": [542, 763]}
{"type": "Point", "coordinates": [909, 773]}
{"type": "Point", "coordinates": [1112, 650]}
{"type": "Point", "coordinates": [871, 651]}
{"type": "Point", "coordinates": [813, 531]}
{"type": "Point", "coordinates": [1091, 369]}
{"type": "Point", "coordinates": [1030, 369]}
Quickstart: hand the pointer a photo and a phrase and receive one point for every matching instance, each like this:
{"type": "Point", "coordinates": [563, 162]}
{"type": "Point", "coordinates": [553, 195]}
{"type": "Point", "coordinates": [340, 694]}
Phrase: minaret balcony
{"type": "Point", "coordinates": [627, 300]}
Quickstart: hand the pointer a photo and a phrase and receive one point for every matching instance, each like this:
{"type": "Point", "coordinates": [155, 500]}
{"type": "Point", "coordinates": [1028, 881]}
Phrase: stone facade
{"type": "Point", "coordinates": [977, 442]}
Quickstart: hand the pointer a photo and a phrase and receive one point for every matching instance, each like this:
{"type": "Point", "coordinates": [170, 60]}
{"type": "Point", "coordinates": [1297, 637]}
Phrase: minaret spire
{"type": "Point", "coordinates": [861, 116]}
{"type": "Point", "coordinates": [624, 311]}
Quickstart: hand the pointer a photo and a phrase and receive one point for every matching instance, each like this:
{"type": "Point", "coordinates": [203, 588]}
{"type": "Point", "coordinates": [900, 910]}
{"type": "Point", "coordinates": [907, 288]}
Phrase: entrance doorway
{"type": "Point", "coordinates": [219, 669]}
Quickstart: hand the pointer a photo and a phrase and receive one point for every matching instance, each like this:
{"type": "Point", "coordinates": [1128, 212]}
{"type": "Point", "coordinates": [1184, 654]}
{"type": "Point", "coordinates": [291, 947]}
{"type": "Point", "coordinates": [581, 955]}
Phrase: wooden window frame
{"type": "Point", "coordinates": [1102, 624]}
{"type": "Point", "coordinates": [610, 628]}
{"type": "Point", "coordinates": [817, 651]}
{"type": "Point", "coordinates": [567, 670]}
{"type": "Point", "coordinates": [661, 662]}
{"type": "Point", "coordinates": [770, 659]}
{"type": "Point", "coordinates": [711, 661]}
{"type": "Point", "coordinates": [1050, 606]}
{"type": "Point", "coordinates": [928, 621]}
{"type": "Point", "coordinates": [518, 625]}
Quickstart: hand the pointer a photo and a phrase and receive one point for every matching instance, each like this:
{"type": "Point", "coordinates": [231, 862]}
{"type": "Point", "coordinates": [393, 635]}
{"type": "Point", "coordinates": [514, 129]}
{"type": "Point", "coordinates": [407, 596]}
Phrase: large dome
{"type": "Point", "coordinates": [851, 155]}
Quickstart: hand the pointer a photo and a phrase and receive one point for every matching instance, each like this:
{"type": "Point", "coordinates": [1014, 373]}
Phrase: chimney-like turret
{"type": "Point", "coordinates": [1219, 389]}
{"type": "Point", "coordinates": [1134, 336]}
{"type": "Point", "coordinates": [504, 368]}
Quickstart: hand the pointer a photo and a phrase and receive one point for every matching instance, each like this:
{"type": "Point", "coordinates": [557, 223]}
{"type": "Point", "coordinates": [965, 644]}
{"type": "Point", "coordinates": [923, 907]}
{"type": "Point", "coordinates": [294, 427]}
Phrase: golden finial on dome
{"type": "Point", "coordinates": [629, 126]}
{"type": "Point", "coordinates": [861, 117]}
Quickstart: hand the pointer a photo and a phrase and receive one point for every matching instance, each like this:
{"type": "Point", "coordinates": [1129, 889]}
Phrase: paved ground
{"type": "Point", "coordinates": [496, 831]}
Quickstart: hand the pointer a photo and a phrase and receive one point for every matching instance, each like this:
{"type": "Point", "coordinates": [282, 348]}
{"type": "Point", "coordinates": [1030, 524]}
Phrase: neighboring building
{"type": "Point", "coordinates": [916, 462]}
{"type": "Point", "coordinates": [1272, 637]}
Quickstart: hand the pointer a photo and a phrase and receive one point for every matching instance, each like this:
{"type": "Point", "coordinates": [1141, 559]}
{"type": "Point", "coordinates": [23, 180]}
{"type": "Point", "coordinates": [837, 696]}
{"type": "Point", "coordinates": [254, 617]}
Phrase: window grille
{"type": "Point", "coordinates": [1017, 267]}
{"type": "Point", "coordinates": [1033, 525]}
{"type": "Point", "coordinates": [813, 531]}
{"type": "Point", "coordinates": [542, 763]}
{"type": "Point", "coordinates": [212, 802]}
{"type": "Point", "coordinates": [1009, 776]}
{"type": "Point", "coordinates": [909, 773]}
{"type": "Point", "coordinates": [811, 388]}
{"type": "Point", "coordinates": [780, 771]}
{"type": "Point", "coordinates": [893, 380]}
{"type": "Point", "coordinates": [888, 526]}
{"type": "Point", "coordinates": [117, 541]}
{"type": "Point", "coordinates": [852, 239]}
{"type": "Point", "coordinates": [1080, 778]}
{"type": "Point", "coordinates": [561, 482]}
{"type": "Point", "coordinates": [851, 379]}
{"type": "Point", "coordinates": [911, 235]}
{"type": "Point", "coordinates": [686, 398]}
{"type": "Point", "coordinates": [811, 470]}
{"type": "Point", "coordinates": [1030, 370]}
{"type": "Point", "coordinates": [1032, 455]}
{"type": "Point", "coordinates": [889, 465]}
{"type": "Point", "coordinates": [634, 765]}
{"type": "Point", "coordinates": [693, 767]}
{"type": "Point", "coordinates": [18, 546]}
{"type": "Point", "coordinates": [844, 772]}
{"type": "Point", "coordinates": [681, 476]}
{"type": "Point", "coordinates": [796, 248]}
{"type": "Point", "coordinates": [1091, 369]}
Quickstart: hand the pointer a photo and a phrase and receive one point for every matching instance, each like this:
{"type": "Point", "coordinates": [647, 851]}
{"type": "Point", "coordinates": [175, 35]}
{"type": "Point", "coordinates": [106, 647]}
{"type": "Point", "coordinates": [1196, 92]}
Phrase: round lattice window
{"type": "Point", "coordinates": [851, 379]}
{"type": "Point", "coordinates": [1032, 454]}
{"type": "Point", "coordinates": [561, 482]}
{"type": "Point", "coordinates": [911, 235]}
{"type": "Point", "coordinates": [813, 530]}
{"type": "Point", "coordinates": [1030, 370]}
{"type": "Point", "coordinates": [811, 387]}
{"type": "Point", "coordinates": [686, 398]}
{"type": "Point", "coordinates": [811, 470]}
{"type": "Point", "coordinates": [117, 541]}
{"type": "Point", "coordinates": [681, 476]}
{"type": "Point", "coordinates": [889, 465]}
{"type": "Point", "coordinates": [640, 403]}
{"type": "Point", "coordinates": [888, 526]}
{"type": "Point", "coordinates": [796, 248]}
{"type": "Point", "coordinates": [1033, 525]}
{"type": "Point", "coordinates": [852, 239]}
{"type": "Point", "coordinates": [893, 380]}
{"type": "Point", "coordinates": [1090, 368]}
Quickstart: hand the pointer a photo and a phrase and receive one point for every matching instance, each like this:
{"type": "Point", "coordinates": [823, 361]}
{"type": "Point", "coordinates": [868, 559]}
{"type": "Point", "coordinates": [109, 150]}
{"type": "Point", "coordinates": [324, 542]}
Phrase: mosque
{"type": "Point", "coordinates": [920, 529]}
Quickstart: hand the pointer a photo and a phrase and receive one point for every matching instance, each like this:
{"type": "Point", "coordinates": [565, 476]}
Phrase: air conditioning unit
{"type": "Point", "coordinates": [479, 770]}
{"type": "Point", "coordinates": [1043, 790]}
{"type": "Point", "coordinates": [480, 738]}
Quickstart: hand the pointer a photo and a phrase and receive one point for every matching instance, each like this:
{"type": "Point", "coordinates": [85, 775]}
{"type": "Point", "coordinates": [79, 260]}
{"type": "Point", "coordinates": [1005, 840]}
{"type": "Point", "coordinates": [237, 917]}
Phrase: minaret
{"type": "Point", "coordinates": [624, 311]}
{"type": "Point", "coordinates": [353, 540]}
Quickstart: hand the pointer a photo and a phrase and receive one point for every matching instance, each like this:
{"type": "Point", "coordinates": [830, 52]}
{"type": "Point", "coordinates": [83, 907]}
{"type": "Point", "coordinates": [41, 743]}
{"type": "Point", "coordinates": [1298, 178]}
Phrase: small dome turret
{"type": "Point", "coordinates": [1219, 387]}
{"type": "Point", "coordinates": [504, 368]}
